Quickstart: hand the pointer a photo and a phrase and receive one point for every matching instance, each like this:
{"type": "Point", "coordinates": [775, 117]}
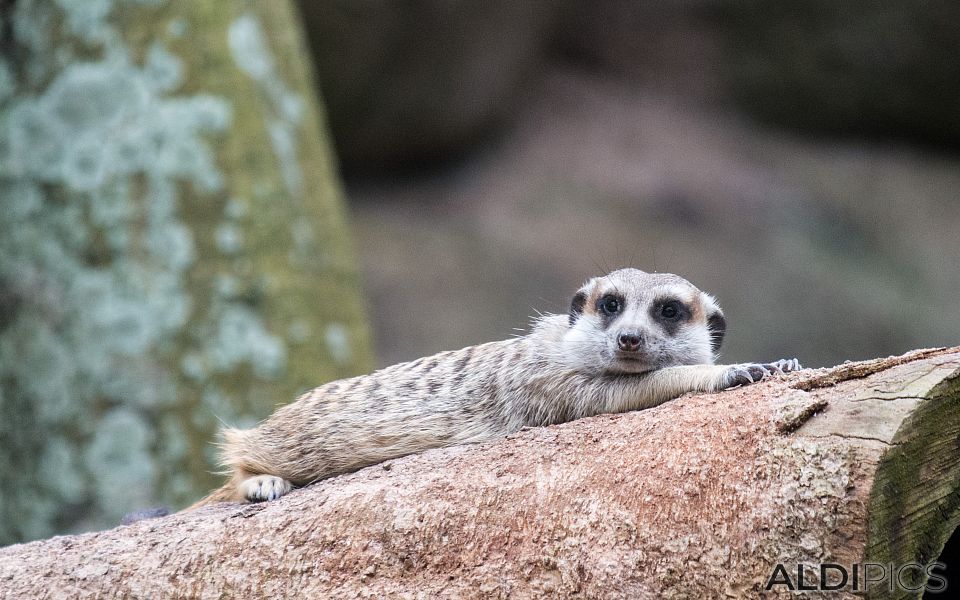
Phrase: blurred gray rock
{"type": "Point", "coordinates": [881, 69]}
{"type": "Point", "coordinates": [884, 68]}
{"type": "Point", "coordinates": [672, 46]}
{"type": "Point", "coordinates": [406, 82]}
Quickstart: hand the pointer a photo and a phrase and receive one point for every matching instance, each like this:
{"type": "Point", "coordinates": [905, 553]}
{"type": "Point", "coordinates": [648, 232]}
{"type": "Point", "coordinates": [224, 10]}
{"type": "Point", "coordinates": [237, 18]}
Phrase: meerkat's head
{"type": "Point", "coordinates": [631, 321]}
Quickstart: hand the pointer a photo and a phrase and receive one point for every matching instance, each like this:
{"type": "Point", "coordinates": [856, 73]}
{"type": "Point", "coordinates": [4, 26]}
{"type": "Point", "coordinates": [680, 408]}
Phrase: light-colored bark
{"type": "Point", "coordinates": [170, 221]}
{"type": "Point", "coordinates": [698, 498]}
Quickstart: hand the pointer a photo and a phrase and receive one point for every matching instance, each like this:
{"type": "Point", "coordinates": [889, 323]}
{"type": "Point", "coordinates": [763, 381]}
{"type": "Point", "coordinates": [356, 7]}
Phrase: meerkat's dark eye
{"type": "Point", "coordinates": [611, 305]}
{"type": "Point", "coordinates": [670, 310]}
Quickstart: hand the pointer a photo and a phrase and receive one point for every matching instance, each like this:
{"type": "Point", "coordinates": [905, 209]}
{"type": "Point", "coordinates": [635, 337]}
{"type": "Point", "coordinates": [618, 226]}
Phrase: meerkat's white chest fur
{"type": "Point", "coordinates": [631, 340]}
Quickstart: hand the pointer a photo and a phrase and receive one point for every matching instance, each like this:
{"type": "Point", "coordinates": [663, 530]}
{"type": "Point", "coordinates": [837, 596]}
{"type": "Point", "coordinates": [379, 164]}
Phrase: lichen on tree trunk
{"type": "Point", "coordinates": [698, 498]}
{"type": "Point", "coordinates": [173, 248]}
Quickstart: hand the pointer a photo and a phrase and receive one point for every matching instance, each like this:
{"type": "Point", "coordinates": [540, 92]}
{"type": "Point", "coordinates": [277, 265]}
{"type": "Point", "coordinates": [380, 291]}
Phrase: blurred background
{"type": "Point", "coordinates": [797, 161]}
{"type": "Point", "coordinates": [209, 207]}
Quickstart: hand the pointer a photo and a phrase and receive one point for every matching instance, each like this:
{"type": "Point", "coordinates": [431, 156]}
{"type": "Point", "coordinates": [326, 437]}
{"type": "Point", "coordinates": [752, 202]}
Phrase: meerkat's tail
{"type": "Point", "coordinates": [229, 492]}
{"type": "Point", "coordinates": [225, 493]}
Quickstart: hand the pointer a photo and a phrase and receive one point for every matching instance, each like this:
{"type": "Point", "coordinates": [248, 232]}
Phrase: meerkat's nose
{"type": "Point", "coordinates": [629, 342]}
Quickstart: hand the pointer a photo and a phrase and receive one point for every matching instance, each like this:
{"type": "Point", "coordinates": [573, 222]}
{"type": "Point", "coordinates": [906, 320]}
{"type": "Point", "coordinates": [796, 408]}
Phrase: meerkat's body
{"type": "Point", "coordinates": [632, 340]}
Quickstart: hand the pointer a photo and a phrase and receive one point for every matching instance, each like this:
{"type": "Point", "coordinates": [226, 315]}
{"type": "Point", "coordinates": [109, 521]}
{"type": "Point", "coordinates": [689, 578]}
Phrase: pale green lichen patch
{"type": "Point", "coordinates": [252, 54]}
{"type": "Point", "coordinates": [299, 332]}
{"type": "Point", "coordinates": [229, 238]}
{"type": "Point", "coordinates": [163, 69]}
{"type": "Point", "coordinates": [249, 48]}
{"type": "Point", "coordinates": [120, 459]}
{"type": "Point", "coordinates": [337, 339]}
{"type": "Point", "coordinates": [177, 27]}
{"type": "Point", "coordinates": [86, 19]}
{"type": "Point", "coordinates": [241, 338]}
{"type": "Point", "coordinates": [6, 80]}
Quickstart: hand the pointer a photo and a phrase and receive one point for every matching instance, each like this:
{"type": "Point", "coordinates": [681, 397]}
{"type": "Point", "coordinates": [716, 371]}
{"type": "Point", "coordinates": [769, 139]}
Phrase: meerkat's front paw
{"type": "Point", "coordinates": [264, 487]}
{"type": "Point", "coordinates": [747, 373]}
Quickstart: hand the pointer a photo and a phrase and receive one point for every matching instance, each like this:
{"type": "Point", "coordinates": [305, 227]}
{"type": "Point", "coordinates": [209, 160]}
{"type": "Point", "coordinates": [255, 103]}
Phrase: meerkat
{"type": "Point", "coordinates": [630, 341]}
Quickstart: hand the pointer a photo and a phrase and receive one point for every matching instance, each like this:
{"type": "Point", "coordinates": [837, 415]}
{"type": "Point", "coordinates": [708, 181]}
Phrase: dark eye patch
{"type": "Point", "coordinates": [670, 313]}
{"type": "Point", "coordinates": [609, 307]}
{"type": "Point", "coordinates": [671, 310]}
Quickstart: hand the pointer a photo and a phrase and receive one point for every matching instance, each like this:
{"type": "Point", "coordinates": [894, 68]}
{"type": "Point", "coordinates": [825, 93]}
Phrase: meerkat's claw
{"type": "Point", "coordinates": [747, 373]}
{"type": "Point", "coordinates": [785, 365]}
{"type": "Point", "coordinates": [264, 487]}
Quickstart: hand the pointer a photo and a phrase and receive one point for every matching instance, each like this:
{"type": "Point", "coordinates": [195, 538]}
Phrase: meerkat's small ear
{"type": "Point", "coordinates": [576, 306]}
{"type": "Point", "coordinates": [715, 321]}
{"type": "Point", "coordinates": [718, 327]}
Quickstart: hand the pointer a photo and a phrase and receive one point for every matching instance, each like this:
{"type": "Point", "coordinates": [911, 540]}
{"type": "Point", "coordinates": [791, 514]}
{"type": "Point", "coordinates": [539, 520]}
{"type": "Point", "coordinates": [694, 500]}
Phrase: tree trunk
{"type": "Point", "coordinates": [170, 218]}
{"type": "Point", "coordinates": [699, 498]}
